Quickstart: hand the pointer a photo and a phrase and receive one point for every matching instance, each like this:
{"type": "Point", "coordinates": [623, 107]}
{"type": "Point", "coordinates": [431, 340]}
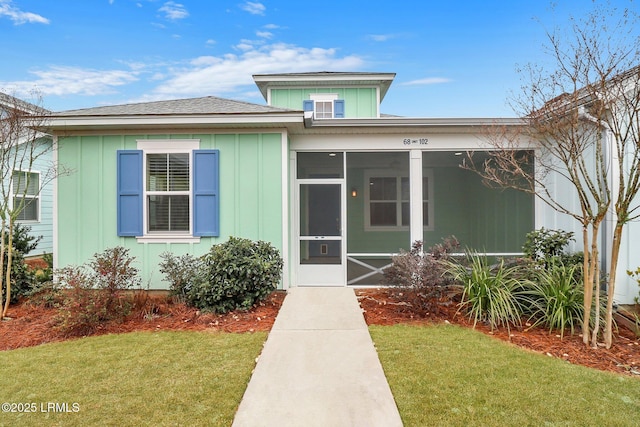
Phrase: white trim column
{"type": "Point", "coordinates": [54, 184]}
{"type": "Point", "coordinates": [415, 185]}
{"type": "Point", "coordinates": [285, 209]}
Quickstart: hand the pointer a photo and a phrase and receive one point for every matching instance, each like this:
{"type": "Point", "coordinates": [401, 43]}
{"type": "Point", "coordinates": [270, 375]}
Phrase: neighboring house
{"type": "Point", "coordinates": [319, 172]}
{"type": "Point", "coordinates": [38, 203]}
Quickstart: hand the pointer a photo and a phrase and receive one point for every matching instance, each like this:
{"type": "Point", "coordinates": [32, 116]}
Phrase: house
{"type": "Point", "coordinates": [27, 170]}
{"type": "Point", "coordinates": [318, 171]}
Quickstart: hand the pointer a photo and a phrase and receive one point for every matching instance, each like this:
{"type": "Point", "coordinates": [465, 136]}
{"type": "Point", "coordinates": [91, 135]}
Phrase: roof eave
{"type": "Point", "coordinates": [266, 81]}
{"type": "Point", "coordinates": [66, 123]}
{"type": "Point", "coordinates": [414, 121]}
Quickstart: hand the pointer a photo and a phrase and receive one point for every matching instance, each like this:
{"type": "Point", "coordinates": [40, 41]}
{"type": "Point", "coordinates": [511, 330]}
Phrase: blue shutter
{"type": "Point", "coordinates": [206, 202]}
{"type": "Point", "coordinates": [338, 108]}
{"type": "Point", "coordinates": [129, 192]}
{"type": "Point", "coordinates": [307, 105]}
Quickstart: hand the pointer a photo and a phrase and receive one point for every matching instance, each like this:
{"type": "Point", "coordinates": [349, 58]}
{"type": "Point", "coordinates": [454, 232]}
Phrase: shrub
{"type": "Point", "coordinates": [182, 272]}
{"type": "Point", "coordinates": [23, 279]}
{"type": "Point", "coordinates": [489, 294]}
{"type": "Point", "coordinates": [556, 297]}
{"type": "Point", "coordinates": [45, 274]}
{"type": "Point", "coordinates": [547, 246]}
{"type": "Point", "coordinates": [93, 292]}
{"type": "Point", "coordinates": [235, 275]}
{"type": "Point", "coordinates": [420, 276]}
{"type": "Point", "coordinates": [635, 275]}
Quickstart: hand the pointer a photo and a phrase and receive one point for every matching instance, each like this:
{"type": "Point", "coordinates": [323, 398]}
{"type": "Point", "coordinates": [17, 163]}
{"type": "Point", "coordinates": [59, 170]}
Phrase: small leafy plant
{"type": "Point", "coordinates": [93, 293]}
{"type": "Point", "coordinates": [420, 275]}
{"type": "Point", "coordinates": [546, 246]}
{"type": "Point", "coordinates": [635, 275]}
{"type": "Point", "coordinates": [235, 275]}
{"type": "Point", "coordinates": [23, 279]}
{"type": "Point", "coordinates": [182, 272]}
{"type": "Point", "coordinates": [489, 293]}
{"type": "Point", "coordinates": [555, 298]}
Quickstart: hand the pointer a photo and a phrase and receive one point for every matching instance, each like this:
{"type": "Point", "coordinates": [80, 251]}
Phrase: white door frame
{"type": "Point", "coordinates": [321, 274]}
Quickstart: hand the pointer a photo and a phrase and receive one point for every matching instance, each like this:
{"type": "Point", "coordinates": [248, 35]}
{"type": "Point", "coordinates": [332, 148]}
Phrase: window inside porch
{"type": "Point", "coordinates": [454, 202]}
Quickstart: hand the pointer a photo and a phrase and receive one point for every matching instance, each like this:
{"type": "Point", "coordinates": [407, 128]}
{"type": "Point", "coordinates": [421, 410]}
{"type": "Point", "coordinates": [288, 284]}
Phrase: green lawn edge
{"type": "Point", "coordinates": [446, 375]}
{"type": "Point", "coordinates": [141, 378]}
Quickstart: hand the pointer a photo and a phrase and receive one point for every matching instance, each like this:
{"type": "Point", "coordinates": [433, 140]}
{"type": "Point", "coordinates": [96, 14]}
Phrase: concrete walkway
{"type": "Point", "coordinates": [318, 367]}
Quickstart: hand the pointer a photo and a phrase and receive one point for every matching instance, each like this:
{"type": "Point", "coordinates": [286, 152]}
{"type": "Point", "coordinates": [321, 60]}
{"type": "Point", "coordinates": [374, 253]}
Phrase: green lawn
{"type": "Point", "coordinates": [137, 379]}
{"type": "Point", "coordinates": [451, 376]}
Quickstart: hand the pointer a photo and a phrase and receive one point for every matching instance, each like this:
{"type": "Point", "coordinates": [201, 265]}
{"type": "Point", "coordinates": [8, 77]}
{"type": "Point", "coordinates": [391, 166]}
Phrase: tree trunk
{"type": "Point", "coordinates": [615, 252]}
{"type": "Point", "coordinates": [3, 292]}
{"type": "Point", "coordinates": [7, 276]}
{"type": "Point", "coordinates": [589, 276]}
{"type": "Point", "coordinates": [596, 323]}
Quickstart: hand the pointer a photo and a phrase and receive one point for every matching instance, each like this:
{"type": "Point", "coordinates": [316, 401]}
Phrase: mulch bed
{"type": "Point", "coordinates": [32, 325]}
{"type": "Point", "coordinates": [384, 307]}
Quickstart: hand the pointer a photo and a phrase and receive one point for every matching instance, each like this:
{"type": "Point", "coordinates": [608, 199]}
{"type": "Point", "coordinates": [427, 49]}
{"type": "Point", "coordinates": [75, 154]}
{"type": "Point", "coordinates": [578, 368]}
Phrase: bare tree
{"type": "Point", "coordinates": [21, 147]}
{"type": "Point", "coordinates": [581, 115]}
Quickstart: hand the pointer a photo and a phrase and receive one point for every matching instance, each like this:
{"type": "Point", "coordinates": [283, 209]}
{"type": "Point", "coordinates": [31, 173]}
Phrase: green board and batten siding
{"type": "Point", "coordinates": [359, 102]}
{"type": "Point", "coordinates": [250, 196]}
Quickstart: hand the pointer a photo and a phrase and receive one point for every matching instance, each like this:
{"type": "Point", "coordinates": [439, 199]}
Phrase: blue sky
{"type": "Point", "coordinates": [452, 58]}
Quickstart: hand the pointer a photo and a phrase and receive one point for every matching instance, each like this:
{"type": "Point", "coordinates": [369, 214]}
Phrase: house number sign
{"type": "Point", "coordinates": [415, 141]}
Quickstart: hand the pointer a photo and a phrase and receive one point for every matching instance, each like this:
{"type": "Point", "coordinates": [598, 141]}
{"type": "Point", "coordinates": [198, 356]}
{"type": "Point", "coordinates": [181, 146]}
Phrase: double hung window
{"type": "Point", "coordinates": [168, 189]}
{"type": "Point", "coordinates": [324, 105]}
{"type": "Point", "coordinates": [25, 188]}
{"type": "Point", "coordinates": [168, 193]}
{"type": "Point", "coordinates": [388, 200]}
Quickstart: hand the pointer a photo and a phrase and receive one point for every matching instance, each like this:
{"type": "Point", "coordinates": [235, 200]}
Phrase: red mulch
{"type": "Point", "coordinates": [33, 325]}
{"type": "Point", "coordinates": [383, 307]}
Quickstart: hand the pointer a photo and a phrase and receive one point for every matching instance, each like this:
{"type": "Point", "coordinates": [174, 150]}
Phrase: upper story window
{"type": "Point", "coordinates": [324, 105]}
{"type": "Point", "coordinates": [25, 188]}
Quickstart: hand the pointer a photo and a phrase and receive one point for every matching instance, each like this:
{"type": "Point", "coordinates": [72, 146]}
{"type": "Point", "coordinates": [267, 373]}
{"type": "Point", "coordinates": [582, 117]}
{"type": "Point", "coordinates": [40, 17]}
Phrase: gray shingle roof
{"type": "Point", "coordinates": [8, 101]}
{"type": "Point", "coordinates": [204, 105]}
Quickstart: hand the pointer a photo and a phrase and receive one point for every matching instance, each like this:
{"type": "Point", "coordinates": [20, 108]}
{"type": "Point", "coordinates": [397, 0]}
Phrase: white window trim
{"type": "Point", "coordinates": [167, 146]}
{"type": "Point", "coordinates": [398, 175]}
{"type": "Point", "coordinates": [26, 196]}
{"type": "Point", "coordinates": [323, 97]}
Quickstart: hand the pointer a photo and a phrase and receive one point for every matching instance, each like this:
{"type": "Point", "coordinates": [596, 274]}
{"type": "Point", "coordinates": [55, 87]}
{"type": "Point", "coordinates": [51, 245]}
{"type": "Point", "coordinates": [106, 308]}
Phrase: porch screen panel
{"type": "Point", "coordinates": [378, 214]}
{"type": "Point", "coordinates": [484, 219]}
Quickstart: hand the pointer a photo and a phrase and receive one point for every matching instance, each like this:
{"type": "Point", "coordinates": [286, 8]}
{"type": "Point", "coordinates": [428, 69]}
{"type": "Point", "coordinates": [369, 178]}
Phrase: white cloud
{"type": "Point", "coordinates": [254, 8]}
{"type": "Point", "coordinates": [245, 45]}
{"type": "Point", "coordinates": [272, 26]}
{"type": "Point", "coordinates": [210, 42]}
{"type": "Point", "coordinates": [60, 80]}
{"type": "Point", "coordinates": [380, 37]}
{"type": "Point", "coordinates": [427, 81]}
{"type": "Point", "coordinates": [174, 11]}
{"type": "Point", "coordinates": [227, 75]}
{"type": "Point", "coordinates": [19, 17]}
{"type": "Point", "coordinates": [264, 34]}
{"type": "Point", "coordinates": [231, 73]}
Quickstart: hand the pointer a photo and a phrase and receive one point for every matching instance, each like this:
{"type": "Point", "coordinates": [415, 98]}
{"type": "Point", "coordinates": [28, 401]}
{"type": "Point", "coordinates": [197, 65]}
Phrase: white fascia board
{"type": "Point", "coordinates": [410, 121]}
{"type": "Point", "coordinates": [61, 123]}
{"type": "Point", "coordinates": [316, 77]}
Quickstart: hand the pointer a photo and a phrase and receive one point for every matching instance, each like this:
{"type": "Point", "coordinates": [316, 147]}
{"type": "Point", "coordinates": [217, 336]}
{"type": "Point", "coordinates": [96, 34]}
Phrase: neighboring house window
{"type": "Point", "coordinates": [387, 201]}
{"type": "Point", "coordinates": [324, 105]}
{"type": "Point", "coordinates": [165, 191]}
{"type": "Point", "coordinates": [26, 186]}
